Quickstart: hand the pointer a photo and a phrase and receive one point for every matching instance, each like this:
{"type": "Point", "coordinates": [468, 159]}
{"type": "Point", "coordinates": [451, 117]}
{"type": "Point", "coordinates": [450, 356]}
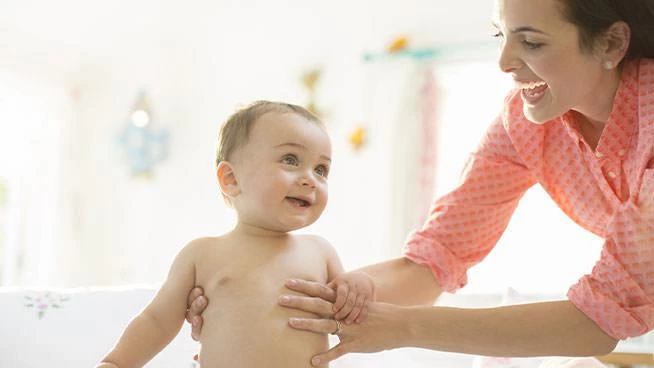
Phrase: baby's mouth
{"type": "Point", "coordinates": [298, 201]}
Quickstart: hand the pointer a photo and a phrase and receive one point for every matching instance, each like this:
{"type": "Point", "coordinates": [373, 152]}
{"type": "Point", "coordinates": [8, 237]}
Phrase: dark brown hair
{"type": "Point", "coordinates": [593, 17]}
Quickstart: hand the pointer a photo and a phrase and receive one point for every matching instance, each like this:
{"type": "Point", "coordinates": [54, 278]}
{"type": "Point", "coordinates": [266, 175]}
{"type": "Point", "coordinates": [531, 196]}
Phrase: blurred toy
{"type": "Point", "coordinates": [144, 146]}
{"type": "Point", "coordinates": [358, 138]}
{"type": "Point", "coordinates": [310, 81]}
{"type": "Point", "coordinates": [400, 43]}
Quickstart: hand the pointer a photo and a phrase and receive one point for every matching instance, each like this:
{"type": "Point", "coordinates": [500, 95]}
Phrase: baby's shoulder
{"type": "Point", "coordinates": [312, 239]}
{"type": "Point", "coordinates": [203, 245]}
{"type": "Point", "coordinates": [315, 241]}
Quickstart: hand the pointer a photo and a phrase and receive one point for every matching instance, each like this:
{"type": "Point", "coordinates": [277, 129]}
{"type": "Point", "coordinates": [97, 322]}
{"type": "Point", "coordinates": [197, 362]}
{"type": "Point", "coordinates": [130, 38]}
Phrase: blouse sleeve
{"type": "Point", "coordinates": [619, 293]}
{"type": "Point", "coordinates": [464, 225]}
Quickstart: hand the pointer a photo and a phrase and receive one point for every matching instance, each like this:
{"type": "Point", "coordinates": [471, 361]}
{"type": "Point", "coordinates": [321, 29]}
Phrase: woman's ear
{"type": "Point", "coordinates": [615, 44]}
{"type": "Point", "coordinates": [227, 180]}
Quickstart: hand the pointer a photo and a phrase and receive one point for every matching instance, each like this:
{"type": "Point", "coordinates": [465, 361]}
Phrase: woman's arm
{"type": "Point", "coordinates": [539, 329]}
{"type": "Point", "coordinates": [403, 282]}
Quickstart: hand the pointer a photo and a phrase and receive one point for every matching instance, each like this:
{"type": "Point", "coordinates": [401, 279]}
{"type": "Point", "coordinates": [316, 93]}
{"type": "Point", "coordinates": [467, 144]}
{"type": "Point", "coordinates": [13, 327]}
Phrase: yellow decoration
{"type": "Point", "coordinates": [358, 138]}
{"type": "Point", "coordinates": [310, 81]}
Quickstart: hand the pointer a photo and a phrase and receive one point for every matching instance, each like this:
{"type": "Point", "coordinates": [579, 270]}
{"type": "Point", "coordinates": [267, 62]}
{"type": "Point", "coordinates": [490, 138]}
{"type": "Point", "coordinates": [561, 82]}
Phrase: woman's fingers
{"type": "Point", "coordinates": [308, 304]}
{"type": "Point", "coordinates": [362, 315]}
{"type": "Point", "coordinates": [322, 326]}
{"type": "Point", "coordinates": [196, 302]}
{"type": "Point", "coordinates": [196, 328]}
{"type": "Point", "coordinates": [312, 288]}
{"type": "Point", "coordinates": [332, 354]}
{"type": "Point", "coordinates": [378, 332]}
{"type": "Point", "coordinates": [194, 294]}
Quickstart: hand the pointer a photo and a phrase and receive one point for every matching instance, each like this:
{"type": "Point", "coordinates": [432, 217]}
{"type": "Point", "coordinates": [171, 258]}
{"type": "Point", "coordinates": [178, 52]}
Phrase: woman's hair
{"type": "Point", "coordinates": [235, 132]}
{"type": "Point", "coordinates": [593, 17]}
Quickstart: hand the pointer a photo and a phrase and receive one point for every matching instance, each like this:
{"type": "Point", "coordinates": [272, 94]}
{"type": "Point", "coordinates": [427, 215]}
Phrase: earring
{"type": "Point", "coordinates": [608, 65]}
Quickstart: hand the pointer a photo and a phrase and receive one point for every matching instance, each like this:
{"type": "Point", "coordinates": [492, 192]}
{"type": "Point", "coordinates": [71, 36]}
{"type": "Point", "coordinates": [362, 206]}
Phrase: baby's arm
{"type": "Point", "coordinates": [353, 289]}
{"type": "Point", "coordinates": [154, 328]}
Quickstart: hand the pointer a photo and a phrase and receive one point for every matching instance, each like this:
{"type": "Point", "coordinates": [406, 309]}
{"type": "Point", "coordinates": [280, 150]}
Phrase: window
{"type": "Point", "coordinates": [3, 224]}
{"type": "Point", "coordinates": [33, 115]}
{"type": "Point", "coordinates": [528, 257]}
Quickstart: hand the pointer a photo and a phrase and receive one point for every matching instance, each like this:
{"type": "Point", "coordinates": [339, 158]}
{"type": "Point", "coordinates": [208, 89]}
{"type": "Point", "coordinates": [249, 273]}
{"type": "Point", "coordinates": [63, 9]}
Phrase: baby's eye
{"type": "Point", "coordinates": [322, 170]}
{"type": "Point", "coordinates": [290, 160]}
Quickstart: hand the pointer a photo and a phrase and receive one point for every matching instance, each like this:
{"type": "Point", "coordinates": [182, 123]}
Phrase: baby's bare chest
{"type": "Point", "coordinates": [251, 275]}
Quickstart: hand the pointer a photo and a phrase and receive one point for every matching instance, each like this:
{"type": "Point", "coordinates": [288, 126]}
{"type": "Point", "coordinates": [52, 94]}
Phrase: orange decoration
{"type": "Point", "coordinates": [399, 43]}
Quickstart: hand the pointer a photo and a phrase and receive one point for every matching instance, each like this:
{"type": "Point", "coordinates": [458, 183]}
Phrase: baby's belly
{"type": "Point", "coordinates": [256, 334]}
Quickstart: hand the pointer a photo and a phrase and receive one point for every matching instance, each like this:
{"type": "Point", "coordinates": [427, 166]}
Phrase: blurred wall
{"type": "Point", "coordinates": [198, 61]}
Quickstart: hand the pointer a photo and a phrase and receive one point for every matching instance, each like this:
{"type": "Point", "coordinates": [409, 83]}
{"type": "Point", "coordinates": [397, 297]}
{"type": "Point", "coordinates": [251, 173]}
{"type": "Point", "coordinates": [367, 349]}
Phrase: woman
{"type": "Point", "coordinates": [581, 124]}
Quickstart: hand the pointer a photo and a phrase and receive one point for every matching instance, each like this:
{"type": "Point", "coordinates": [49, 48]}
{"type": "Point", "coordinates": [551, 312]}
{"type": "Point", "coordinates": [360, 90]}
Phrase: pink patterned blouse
{"type": "Point", "coordinates": [609, 191]}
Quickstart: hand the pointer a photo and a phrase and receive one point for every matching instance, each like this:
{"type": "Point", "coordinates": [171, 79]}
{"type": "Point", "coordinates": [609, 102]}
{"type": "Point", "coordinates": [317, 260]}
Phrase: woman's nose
{"type": "Point", "coordinates": [508, 60]}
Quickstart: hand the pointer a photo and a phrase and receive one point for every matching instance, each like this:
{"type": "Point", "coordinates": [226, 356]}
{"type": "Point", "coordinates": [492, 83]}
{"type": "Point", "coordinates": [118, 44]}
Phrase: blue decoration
{"type": "Point", "coordinates": [144, 146]}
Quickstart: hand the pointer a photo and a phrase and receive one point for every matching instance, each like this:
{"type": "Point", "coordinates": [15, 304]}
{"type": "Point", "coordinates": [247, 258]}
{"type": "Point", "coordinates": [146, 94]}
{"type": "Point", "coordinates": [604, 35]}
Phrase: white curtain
{"type": "Point", "coordinates": [414, 152]}
{"type": "Point", "coordinates": [400, 106]}
{"type": "Point", "coordinates": [35, 119]}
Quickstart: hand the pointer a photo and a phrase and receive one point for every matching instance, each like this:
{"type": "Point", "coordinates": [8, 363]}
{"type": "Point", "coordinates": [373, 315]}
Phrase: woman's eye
{"type": "Point", "coordinates": [290, 160]}
{"type": "Point", "coordinates": [322, 170]}
{"type": "Point", "coordinates": [499, 36]}
{"type": "Point", "coordinates": [532, 45]}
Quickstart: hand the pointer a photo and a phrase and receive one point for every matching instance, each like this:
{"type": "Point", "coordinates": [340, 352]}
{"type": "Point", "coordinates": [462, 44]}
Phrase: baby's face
{"type": "Point", "coordinates": [282, 173]}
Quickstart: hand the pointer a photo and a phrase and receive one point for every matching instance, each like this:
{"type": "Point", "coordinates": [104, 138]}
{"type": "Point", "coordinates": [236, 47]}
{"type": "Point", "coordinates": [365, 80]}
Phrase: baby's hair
{"type": "Point", "coordinates": [235, 132]}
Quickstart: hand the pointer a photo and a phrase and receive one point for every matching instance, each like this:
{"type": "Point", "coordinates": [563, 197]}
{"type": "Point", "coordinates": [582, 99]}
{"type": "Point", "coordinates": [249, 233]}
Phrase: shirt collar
{"type": "Point", "coordinates": [623, 119]}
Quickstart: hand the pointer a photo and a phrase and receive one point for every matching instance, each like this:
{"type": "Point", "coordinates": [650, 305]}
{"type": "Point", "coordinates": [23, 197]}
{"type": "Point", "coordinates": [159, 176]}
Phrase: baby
{"type": "Point", "coordinates": [272, 166]}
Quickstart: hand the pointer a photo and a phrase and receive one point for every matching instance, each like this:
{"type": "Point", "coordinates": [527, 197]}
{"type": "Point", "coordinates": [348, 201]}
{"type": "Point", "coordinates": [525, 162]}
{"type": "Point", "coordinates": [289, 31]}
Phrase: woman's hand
{"type": "Point", "coordinates": [319, 297]}
{"type": "Point", "coordinates": [196, 303]}
{"type": "Point", "coordinates": [383, 328]}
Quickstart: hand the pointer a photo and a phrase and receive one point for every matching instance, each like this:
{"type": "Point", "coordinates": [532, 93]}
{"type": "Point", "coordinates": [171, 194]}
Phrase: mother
{"type": "Point", "coordinates": [580, 122]}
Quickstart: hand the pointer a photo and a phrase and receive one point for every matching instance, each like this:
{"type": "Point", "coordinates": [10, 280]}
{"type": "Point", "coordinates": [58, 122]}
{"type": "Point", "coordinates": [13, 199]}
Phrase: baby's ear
{"type": "Point", "coordinates": [227, 180]}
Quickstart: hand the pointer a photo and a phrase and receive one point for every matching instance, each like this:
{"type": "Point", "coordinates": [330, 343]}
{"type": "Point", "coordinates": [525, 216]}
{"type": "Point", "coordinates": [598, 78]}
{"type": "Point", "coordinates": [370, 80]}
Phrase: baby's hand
{"type": "Point", "coordinates": [353, 291]}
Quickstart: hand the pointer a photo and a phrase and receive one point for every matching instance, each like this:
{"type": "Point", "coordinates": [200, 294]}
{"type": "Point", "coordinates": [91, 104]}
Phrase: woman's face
{"type": "Point", "coordinates": [542, 52]}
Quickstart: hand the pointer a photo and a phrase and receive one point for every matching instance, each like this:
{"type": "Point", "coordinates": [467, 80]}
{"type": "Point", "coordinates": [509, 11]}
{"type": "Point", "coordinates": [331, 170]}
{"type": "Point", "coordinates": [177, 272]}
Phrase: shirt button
{"type": "Point", "coordinates": [612, 175]}
{"type": "Point", "coordinates": [599, 154]}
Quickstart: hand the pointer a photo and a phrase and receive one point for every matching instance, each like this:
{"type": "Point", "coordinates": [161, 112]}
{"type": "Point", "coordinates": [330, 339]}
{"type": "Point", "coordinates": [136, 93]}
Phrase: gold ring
{"type": "Point", "coordinates": [338, 327]}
